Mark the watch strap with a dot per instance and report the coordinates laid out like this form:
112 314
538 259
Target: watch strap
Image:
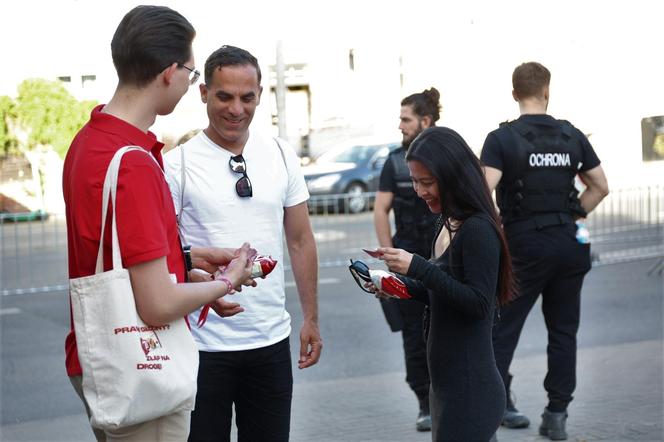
186 250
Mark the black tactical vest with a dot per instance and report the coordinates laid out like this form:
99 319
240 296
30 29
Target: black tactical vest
414 221
541 179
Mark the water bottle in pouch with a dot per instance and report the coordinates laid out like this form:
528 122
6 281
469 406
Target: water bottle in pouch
582 233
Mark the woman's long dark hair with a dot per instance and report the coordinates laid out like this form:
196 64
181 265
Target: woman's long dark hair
463 189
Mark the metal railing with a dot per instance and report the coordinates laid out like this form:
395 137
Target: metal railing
628 225
33 254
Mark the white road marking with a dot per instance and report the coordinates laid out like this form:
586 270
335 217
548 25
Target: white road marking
320 282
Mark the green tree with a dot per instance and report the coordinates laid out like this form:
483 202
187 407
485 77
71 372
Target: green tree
42 119
49 114
8 142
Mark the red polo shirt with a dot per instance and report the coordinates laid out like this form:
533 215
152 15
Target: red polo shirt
145 214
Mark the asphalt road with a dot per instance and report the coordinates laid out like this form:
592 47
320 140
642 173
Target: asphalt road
622 305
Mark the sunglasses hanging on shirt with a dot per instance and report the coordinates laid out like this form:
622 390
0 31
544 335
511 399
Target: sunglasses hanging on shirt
243 185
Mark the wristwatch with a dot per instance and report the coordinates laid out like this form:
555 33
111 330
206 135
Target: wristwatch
186 250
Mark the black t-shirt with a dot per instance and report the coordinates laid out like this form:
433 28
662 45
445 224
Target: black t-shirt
387 183
495 154
414 223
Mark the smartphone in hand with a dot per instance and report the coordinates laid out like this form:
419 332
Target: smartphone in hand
373 252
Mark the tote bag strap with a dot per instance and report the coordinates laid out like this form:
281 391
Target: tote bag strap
110 188
183 185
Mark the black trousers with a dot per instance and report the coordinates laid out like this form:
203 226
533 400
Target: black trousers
552 263
407 316
260 384
415 350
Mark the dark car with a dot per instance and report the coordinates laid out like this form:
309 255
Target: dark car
345 177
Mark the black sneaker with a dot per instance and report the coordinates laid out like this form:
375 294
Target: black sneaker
513 418
553 425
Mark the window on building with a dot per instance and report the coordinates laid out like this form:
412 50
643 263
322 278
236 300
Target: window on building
65 79
87 80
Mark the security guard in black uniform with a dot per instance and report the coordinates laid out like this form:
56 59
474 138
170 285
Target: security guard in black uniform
415 226
532 163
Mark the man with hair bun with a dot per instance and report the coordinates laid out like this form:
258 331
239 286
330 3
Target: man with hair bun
532 163
414 231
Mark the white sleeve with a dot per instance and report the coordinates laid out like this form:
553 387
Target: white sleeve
296 191
172 170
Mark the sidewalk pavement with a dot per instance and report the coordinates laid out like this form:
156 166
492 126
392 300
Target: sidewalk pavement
619 398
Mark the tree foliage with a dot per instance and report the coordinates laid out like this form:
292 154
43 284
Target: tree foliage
49 114
8 142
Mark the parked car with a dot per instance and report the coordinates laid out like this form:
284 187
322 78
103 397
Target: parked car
13 217
344 177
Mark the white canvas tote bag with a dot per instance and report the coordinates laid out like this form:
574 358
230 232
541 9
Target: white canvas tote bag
132 372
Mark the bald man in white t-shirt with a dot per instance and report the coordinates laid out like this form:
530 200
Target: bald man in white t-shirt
241 185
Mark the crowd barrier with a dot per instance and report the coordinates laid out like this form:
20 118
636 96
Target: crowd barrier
627 226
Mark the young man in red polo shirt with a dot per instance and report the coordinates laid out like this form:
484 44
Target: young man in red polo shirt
153 57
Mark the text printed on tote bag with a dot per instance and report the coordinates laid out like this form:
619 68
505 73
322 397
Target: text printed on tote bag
149 342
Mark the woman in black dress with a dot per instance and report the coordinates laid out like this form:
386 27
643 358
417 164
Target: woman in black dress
463 283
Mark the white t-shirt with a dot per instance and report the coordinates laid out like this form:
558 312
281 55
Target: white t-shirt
214 215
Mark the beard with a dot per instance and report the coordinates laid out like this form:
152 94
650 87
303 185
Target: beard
407 140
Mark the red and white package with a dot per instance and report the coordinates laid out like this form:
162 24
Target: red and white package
389 284
263 265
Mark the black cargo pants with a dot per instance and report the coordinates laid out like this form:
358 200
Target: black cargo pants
552 263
